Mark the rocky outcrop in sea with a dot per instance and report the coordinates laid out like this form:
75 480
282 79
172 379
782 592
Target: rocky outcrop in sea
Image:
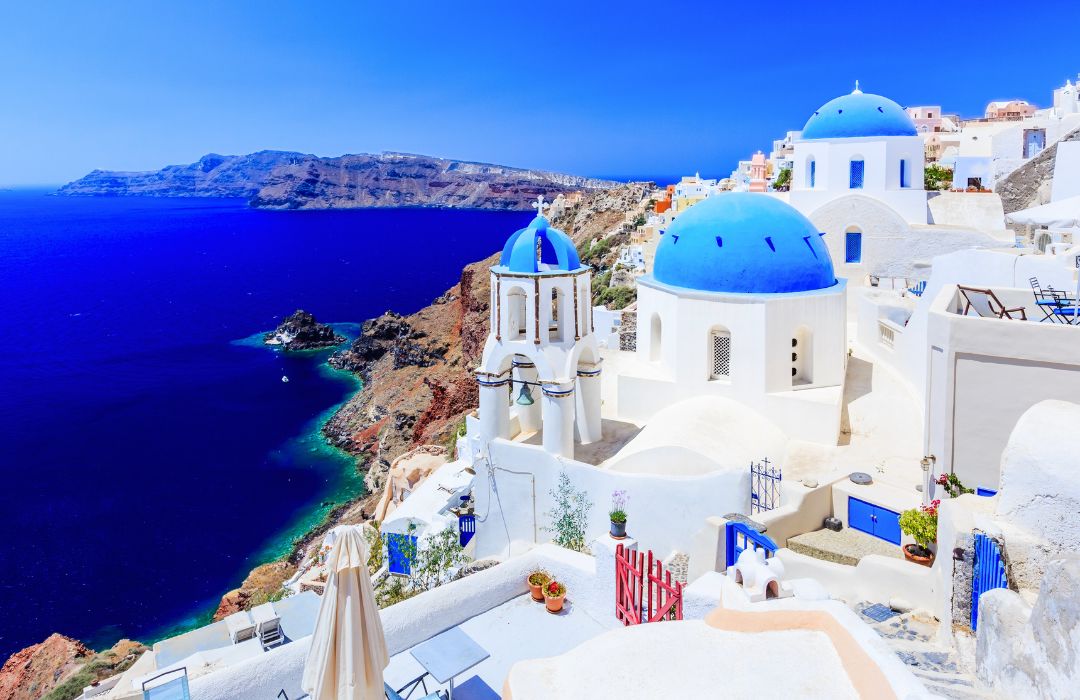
301 331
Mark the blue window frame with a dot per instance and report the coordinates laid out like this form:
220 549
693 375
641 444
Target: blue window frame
813 174
853 247
904 174
855 181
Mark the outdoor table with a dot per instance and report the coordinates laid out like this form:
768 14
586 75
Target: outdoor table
448 655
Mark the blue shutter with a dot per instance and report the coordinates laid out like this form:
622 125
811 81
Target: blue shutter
853 247
855 182
860 515
887 525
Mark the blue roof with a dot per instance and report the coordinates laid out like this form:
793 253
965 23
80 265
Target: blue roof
858 114
557 250
738 242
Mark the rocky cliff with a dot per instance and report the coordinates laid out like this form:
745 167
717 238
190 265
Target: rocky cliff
60 667
301 331
285 180
1029 185
212 175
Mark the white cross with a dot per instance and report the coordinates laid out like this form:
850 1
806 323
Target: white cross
539 205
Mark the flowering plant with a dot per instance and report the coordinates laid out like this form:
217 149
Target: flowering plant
952 485
539 577
554 589
921 523
619 499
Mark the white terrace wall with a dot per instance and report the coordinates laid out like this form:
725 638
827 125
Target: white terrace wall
664 511
412 621
983 374
908 352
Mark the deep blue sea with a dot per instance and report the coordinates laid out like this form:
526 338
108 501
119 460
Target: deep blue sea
149 455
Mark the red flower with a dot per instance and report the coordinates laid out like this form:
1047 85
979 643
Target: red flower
943 480
553 587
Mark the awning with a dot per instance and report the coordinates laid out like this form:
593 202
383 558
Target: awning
1062 214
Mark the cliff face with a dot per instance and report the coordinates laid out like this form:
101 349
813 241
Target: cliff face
417 369
284 180
212 175
301 331
60 667
1029 185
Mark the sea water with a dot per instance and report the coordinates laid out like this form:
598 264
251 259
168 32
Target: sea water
150 453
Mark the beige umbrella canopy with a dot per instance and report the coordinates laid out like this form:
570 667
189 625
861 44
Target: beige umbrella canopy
348 650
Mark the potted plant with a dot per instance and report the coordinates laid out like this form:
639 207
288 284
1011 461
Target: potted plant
952 485
618 514
537 579
554 594
921 524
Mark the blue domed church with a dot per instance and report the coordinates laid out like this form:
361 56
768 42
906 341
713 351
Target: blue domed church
858 174
743 303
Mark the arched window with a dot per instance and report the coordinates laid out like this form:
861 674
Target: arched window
905 176
515 312
719 353
802 359
853 246
855 178
555 327
811 173
655 338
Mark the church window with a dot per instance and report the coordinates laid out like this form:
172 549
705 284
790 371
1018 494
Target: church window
855 181
720 346
904 181
813 173
853 247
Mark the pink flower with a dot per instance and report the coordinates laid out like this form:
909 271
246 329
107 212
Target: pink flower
943 480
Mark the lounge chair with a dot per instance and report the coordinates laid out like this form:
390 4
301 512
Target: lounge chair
985 304
267 625
240 626
408 689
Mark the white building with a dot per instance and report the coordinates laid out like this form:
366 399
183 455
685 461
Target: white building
860 144
743 304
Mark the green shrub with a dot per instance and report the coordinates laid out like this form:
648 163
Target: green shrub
936 177
921 524
570 514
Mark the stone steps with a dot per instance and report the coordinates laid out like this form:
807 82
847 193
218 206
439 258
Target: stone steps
942 670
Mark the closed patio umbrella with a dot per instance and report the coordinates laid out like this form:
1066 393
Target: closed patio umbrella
348 650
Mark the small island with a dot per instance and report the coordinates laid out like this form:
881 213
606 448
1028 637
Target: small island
301 331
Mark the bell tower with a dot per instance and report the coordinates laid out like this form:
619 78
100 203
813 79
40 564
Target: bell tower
541 355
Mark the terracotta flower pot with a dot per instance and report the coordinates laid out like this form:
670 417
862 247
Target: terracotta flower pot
917 558
554 603
536 590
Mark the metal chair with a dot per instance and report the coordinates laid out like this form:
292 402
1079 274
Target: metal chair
410 687
1051 302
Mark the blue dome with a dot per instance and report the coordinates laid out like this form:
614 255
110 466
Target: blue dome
740 242
557 250
858 114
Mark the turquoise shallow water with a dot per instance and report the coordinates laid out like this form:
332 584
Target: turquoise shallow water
152 455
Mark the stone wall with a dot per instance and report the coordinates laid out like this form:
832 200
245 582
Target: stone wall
628 332
1029 185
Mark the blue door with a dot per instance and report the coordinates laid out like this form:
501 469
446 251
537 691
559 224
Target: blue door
874 520
399 549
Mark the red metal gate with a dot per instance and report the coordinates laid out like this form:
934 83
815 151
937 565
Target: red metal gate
644 592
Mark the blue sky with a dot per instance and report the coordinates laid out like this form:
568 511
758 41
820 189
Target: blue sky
619 89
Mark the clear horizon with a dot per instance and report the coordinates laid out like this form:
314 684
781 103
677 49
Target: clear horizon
587 90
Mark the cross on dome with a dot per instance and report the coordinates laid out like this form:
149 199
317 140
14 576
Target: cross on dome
856 91
539 205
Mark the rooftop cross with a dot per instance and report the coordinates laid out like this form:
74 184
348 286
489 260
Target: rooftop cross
539 205
857 91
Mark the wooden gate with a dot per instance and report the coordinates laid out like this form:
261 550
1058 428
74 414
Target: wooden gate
644 591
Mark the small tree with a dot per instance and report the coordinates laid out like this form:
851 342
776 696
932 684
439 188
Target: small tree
373 537
570 514
783 180
936 177
434 563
